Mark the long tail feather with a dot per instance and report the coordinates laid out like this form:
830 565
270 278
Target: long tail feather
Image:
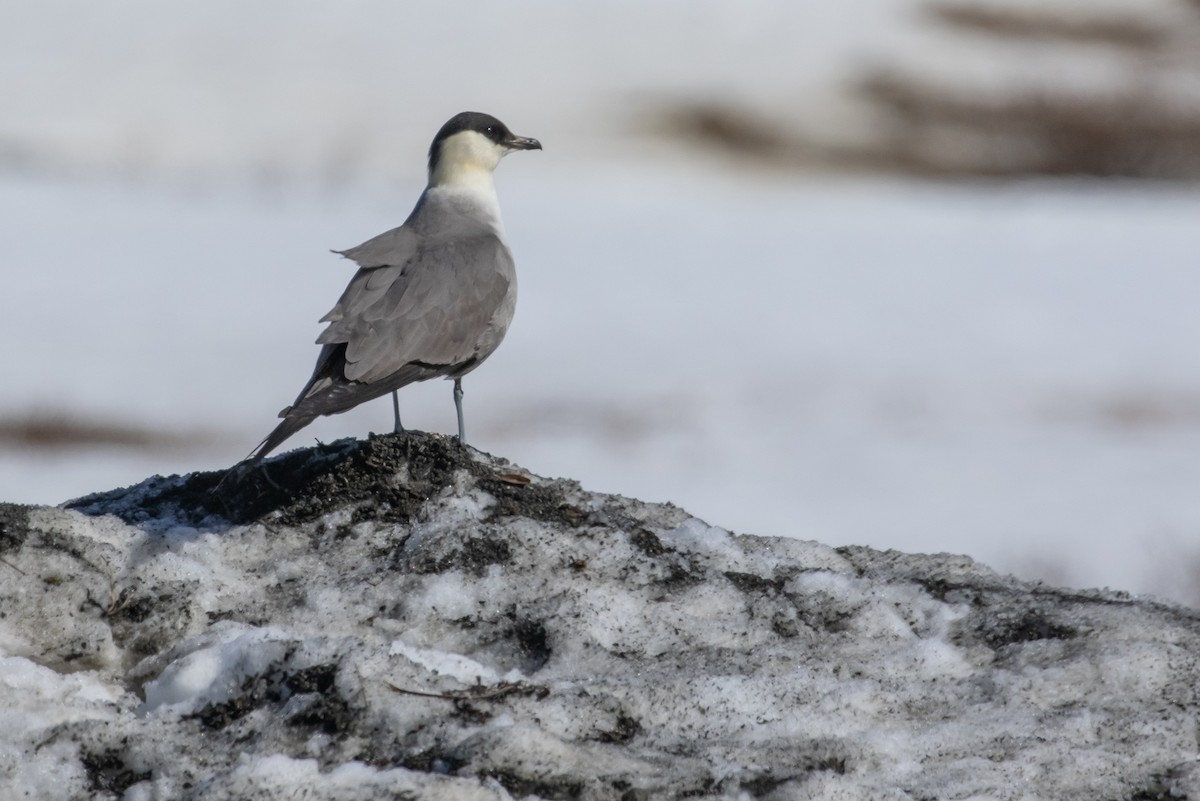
290 425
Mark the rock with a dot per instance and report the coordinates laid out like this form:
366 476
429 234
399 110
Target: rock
403 618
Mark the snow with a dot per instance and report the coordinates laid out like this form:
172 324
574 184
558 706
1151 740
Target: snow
1002 370
440 663
1006 372
213 672
554 643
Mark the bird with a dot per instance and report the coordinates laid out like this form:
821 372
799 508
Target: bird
431 298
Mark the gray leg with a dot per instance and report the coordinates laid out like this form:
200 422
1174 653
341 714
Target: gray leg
399 429
462 432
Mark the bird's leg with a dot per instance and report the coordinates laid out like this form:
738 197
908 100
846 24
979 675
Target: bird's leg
398 429
462 432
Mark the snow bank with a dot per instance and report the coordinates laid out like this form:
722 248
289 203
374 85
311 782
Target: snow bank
402 618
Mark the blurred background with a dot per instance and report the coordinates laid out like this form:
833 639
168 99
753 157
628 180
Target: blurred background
917 275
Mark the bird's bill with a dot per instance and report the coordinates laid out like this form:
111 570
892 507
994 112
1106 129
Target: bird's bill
522 143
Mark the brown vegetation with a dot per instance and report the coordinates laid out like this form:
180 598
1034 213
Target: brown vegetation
1044 128
1051 25
1141 125
933 130
56 430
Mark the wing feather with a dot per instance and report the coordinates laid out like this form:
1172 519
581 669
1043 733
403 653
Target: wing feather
434 308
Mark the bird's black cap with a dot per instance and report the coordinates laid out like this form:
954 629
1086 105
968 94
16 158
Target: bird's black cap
484 124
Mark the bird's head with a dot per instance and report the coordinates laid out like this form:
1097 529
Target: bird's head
471 144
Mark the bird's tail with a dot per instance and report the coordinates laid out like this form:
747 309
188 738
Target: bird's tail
291 424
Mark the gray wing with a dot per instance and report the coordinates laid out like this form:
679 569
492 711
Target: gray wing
435 308
416 309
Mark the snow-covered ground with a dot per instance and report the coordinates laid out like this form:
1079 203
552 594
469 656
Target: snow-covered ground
1005 371
1009 373
400 619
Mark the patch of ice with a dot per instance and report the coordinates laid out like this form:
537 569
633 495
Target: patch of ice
39 701
465 670
215 672
452 511
938 659
279 776
699 537
40 686
452 594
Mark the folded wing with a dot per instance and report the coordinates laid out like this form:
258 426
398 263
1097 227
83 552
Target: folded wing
425 314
